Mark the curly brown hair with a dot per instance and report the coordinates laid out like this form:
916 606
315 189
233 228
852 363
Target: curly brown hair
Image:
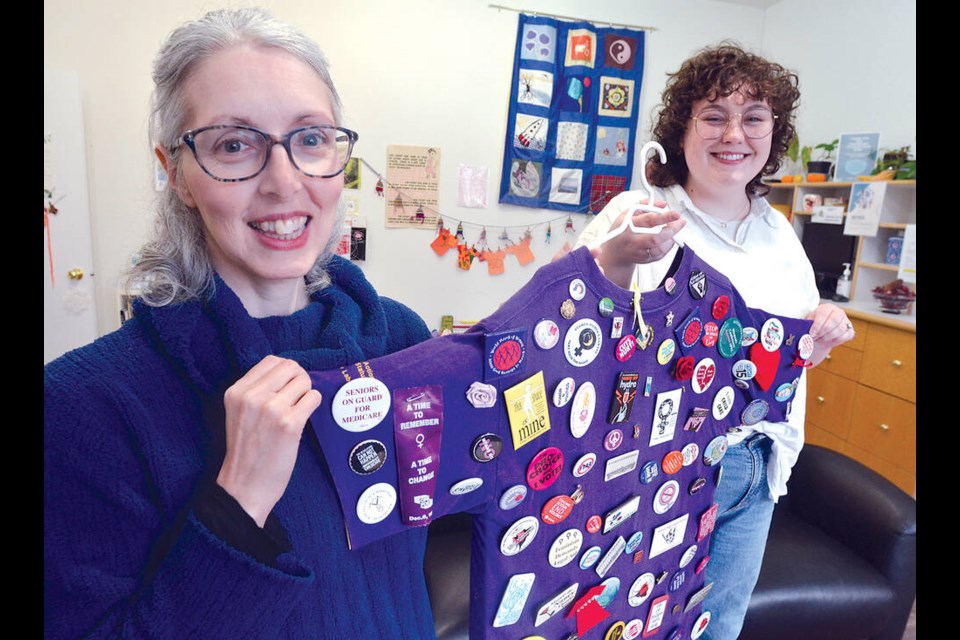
715 72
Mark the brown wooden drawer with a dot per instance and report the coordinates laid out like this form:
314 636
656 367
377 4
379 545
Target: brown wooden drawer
890 361
830 401
812 434
860 328
885 426
906 480
842 361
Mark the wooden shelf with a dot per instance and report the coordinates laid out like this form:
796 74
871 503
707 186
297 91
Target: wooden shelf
790 185
868 266
880 265
882 225
808 213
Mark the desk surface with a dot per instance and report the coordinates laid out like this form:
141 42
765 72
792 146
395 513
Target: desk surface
871 312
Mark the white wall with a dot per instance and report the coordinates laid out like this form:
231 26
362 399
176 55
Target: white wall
857 62
437 73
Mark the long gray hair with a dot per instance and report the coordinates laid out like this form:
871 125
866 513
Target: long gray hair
173 265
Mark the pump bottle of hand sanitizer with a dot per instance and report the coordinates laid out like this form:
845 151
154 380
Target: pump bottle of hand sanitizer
843 284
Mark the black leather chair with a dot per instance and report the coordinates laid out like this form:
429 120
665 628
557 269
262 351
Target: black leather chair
840 562
447 567
841 558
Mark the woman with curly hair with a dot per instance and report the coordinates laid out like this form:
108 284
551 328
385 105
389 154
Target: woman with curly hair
725 122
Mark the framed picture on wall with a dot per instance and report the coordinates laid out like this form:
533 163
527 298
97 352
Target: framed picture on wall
856 155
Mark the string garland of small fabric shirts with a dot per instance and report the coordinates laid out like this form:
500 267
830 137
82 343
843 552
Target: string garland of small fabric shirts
472 243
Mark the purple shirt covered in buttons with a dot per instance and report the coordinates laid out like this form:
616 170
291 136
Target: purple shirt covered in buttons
588 459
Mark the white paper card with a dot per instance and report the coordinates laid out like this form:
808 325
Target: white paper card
908 256
824 214
866 200
669 535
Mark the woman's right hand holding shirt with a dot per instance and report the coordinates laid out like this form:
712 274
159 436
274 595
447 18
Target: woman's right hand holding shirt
266 411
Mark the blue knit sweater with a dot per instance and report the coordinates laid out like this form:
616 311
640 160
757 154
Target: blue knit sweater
133 429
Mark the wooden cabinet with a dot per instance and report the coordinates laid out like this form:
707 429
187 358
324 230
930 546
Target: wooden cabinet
862 400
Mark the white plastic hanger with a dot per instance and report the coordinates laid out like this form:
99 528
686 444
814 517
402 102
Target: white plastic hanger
627 222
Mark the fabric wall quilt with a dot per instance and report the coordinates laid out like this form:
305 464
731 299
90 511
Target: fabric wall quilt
589 462
571 126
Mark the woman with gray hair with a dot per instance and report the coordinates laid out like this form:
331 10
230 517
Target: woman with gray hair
183 495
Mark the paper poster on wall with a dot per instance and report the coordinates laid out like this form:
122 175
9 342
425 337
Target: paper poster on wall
856 155
351 203
908 255
866 200
358 239
472 183
351 174
353 238
343 242
572 125
412 197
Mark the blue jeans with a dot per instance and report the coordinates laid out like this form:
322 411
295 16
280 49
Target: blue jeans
739 537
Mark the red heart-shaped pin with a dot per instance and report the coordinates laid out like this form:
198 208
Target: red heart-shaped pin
767 363
705 373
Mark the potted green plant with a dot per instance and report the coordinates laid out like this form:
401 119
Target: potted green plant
824 163
793 155
899 162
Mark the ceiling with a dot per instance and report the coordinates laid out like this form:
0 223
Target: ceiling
760 4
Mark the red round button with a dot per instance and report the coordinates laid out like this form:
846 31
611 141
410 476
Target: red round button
710 334
691 332
720 307
672 462
556 509
593 524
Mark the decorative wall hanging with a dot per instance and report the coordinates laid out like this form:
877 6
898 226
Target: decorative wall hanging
572 122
